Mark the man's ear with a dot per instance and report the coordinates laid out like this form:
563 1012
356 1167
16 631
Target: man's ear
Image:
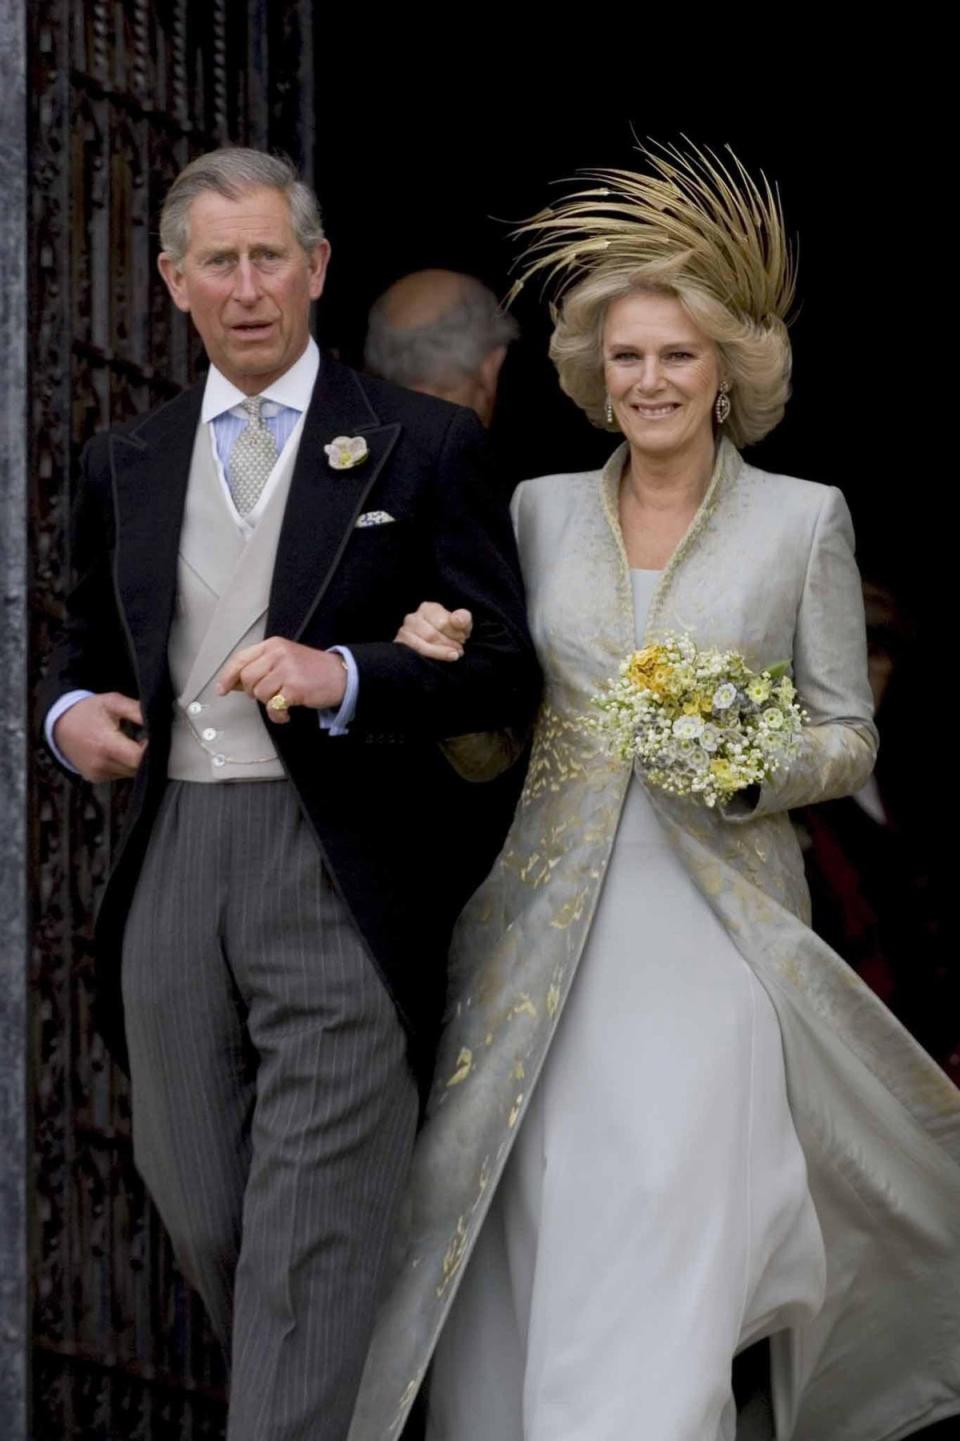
173 279
487 377
317 261
490 368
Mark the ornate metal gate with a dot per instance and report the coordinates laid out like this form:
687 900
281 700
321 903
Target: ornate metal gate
123 93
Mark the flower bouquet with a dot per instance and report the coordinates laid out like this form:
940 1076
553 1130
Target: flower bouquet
699 723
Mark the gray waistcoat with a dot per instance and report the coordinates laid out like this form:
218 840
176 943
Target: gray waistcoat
223 587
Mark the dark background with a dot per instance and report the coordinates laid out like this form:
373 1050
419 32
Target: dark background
413 185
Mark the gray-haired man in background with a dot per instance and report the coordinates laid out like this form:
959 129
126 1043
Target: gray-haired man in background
442 334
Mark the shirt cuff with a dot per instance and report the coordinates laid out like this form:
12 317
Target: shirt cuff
59 708
338 722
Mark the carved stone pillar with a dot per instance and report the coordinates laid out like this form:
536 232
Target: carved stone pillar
13 720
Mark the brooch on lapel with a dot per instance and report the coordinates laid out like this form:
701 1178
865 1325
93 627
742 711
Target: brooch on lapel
346 451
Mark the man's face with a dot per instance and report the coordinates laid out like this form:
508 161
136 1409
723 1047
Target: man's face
248 284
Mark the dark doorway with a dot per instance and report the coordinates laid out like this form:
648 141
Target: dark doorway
424 184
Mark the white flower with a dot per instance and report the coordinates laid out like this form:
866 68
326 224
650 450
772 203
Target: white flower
710 738
759 690
724 696
346 451
772 719
688 727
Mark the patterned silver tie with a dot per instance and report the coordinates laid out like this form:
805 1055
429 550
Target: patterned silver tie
254 456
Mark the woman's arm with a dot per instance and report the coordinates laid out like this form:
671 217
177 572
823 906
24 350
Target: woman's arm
839 745
471 561
432 630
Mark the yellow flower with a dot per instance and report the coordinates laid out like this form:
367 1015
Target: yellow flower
663 681
643 664
724 773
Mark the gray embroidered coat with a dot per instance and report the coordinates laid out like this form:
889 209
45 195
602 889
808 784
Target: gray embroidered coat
766 568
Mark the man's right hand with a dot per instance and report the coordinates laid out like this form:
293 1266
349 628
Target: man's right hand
88 735
433 631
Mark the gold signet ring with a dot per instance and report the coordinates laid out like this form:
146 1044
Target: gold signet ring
278 702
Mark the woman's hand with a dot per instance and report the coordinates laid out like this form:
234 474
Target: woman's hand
435 632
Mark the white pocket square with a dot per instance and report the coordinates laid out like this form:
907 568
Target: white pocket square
374 517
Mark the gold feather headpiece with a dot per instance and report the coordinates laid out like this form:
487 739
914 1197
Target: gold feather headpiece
694 211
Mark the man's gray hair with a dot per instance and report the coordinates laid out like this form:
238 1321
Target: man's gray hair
453 346
233 172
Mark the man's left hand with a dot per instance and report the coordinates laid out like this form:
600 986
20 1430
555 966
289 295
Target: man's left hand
277 667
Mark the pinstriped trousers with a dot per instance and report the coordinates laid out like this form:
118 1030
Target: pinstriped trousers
273 1107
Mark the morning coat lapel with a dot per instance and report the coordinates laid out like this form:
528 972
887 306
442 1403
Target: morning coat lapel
323 504
151 468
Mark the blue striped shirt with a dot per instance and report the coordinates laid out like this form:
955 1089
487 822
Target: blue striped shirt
280 420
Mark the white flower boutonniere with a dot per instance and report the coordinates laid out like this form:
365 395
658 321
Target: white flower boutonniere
346 451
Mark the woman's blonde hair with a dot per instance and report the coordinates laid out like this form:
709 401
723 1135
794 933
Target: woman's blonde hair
755 359
695 227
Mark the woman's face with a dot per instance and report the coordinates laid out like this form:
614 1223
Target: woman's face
662 374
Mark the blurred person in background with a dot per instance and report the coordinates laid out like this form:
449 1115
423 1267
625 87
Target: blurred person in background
442 334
